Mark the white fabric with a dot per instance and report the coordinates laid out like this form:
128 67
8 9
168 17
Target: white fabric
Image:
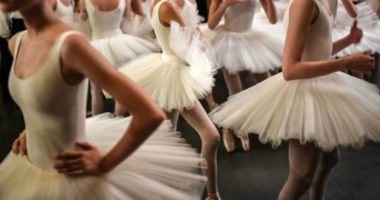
239 46
332 110
162 168
108 38
369 22
189 13
64 11
180 75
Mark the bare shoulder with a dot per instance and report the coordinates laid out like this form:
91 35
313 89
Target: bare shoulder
12 43
74 43
168 12
305 4
166 6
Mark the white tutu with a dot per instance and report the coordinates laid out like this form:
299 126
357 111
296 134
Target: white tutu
366 16
121 48
4 27
368 21
280 5
175 81
164 167
370 41
331 111
190 14
262 24
254 50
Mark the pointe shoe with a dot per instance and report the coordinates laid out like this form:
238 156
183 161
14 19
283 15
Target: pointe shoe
228 141
213 196
245 143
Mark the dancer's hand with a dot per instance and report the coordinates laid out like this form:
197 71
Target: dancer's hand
19 145
356 33
362 62
232 2
79 162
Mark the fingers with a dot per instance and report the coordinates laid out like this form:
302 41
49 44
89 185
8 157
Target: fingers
70 166
15 146
355 24
73 170
367 52
62 164
19 145
84 145
76 173
22 145
69 154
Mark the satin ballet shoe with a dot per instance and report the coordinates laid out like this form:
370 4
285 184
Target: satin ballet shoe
228 141
213 196
245 143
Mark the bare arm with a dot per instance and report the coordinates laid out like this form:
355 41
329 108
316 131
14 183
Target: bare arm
79 58
53 3
353 37
350 8
217 9
137 7
301 16
270 10
168 13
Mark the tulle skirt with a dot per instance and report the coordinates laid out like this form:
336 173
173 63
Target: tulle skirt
177 79
121 48
171 82
369 22
164 167
331 111
254 50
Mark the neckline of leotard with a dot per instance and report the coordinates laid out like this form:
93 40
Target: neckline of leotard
105 12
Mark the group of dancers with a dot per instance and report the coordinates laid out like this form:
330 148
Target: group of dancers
312 67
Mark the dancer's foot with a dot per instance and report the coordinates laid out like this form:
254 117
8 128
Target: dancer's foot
213 196
228 140
245 143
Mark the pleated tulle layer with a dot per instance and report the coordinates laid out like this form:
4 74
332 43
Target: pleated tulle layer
170 81
369 22
177 80
331 111
253 50
366 16
122 48
164 167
